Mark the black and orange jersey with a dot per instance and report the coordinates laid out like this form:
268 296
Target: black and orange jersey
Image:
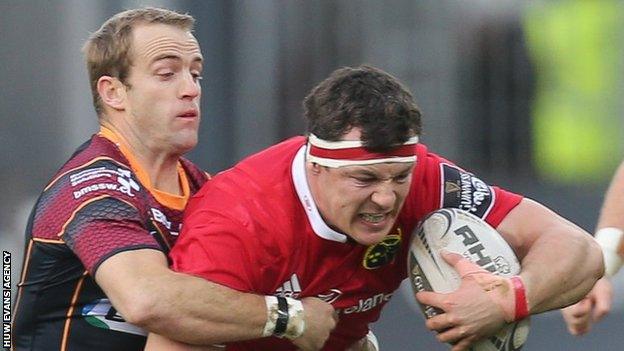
100 203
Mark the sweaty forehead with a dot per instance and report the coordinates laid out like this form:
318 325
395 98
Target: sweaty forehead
154 41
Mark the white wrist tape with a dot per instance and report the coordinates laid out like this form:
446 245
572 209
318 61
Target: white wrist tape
271 304
296 322
609 241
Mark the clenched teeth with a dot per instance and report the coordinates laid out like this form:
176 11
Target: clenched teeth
373 218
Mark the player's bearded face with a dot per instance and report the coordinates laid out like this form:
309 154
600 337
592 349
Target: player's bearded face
164 90
363 201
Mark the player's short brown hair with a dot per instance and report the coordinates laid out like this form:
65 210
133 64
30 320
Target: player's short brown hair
367 98
108 50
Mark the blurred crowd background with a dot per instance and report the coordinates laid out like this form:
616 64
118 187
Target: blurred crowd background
528 95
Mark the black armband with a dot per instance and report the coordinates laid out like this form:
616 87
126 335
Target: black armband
282 317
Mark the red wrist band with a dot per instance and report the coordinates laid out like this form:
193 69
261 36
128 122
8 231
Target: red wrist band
522 305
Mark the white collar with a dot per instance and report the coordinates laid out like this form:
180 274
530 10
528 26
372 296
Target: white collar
307 201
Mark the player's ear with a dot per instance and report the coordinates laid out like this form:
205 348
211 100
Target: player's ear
112 92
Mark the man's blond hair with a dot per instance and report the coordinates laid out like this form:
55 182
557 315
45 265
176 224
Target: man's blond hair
108 50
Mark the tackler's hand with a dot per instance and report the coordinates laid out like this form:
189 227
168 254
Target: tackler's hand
478 308
320 319
581 316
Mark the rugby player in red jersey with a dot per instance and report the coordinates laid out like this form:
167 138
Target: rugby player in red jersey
330 215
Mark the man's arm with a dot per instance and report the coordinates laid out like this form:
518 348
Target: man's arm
193 310
613 206
157 342
611 224
190 309
597 304
551 251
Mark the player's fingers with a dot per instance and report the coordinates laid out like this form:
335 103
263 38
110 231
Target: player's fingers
577 317
462 265
451 258
452 335
430 298
580 309
439 323
579 329
602 308
602 297
579 325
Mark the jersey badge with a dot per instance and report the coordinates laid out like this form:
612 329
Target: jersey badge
383 252
461 189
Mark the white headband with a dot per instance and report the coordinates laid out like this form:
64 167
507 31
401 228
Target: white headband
353 153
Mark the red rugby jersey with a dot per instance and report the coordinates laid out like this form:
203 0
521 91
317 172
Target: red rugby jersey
255 228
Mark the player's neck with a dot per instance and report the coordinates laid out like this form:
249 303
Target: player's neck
158 164
163 172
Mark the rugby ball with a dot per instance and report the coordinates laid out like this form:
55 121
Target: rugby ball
459 231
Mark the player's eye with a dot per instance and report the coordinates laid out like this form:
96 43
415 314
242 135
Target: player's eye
165 75
402 178
364 180
197 77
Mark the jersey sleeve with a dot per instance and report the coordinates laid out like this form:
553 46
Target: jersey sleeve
105 227
97 210
450 186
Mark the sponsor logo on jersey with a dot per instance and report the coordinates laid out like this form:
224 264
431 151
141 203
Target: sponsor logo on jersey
161 218
368 303
95 187
103 315
330 296
383 252
125 184
292 288
92 173
289 288
461 189
450 187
